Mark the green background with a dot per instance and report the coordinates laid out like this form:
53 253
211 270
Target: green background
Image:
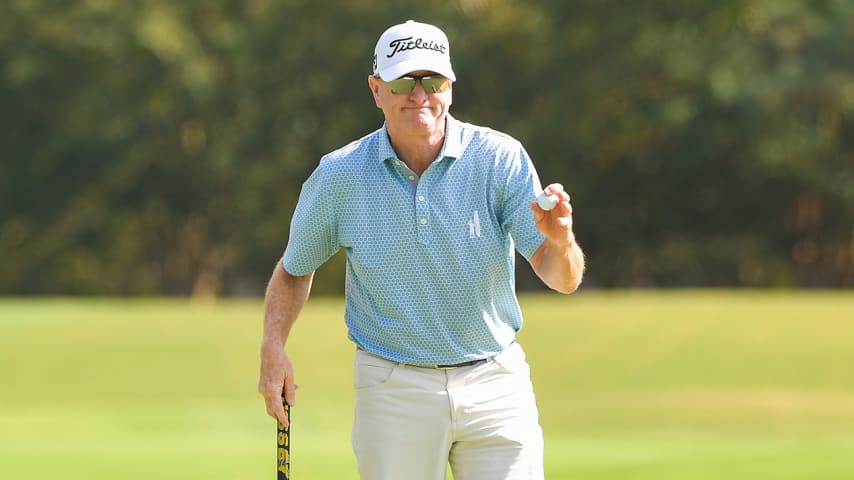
655 385
151 154
158 147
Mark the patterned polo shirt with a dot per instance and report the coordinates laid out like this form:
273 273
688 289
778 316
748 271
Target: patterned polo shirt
430 259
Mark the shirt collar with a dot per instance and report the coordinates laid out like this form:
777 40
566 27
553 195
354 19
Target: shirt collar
451 148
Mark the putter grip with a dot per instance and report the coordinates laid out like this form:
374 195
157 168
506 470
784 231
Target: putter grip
283 441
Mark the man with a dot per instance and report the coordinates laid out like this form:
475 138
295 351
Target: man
429 210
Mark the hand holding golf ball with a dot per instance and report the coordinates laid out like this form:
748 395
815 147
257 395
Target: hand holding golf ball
553 214
546 201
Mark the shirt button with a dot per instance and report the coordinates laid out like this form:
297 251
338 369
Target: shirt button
420 198
412 177
423 221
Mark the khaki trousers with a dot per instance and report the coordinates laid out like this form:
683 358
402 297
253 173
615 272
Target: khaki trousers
411 422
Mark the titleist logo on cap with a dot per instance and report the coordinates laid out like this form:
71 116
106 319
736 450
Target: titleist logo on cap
404 44
412 46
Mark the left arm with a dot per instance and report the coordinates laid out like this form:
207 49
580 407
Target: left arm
559 261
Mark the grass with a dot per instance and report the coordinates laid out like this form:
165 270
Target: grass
631 385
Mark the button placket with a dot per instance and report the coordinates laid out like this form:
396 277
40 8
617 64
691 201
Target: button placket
422 213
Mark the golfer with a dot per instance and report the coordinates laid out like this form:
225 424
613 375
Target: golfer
429 211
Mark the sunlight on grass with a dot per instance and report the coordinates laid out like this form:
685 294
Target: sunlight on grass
631 385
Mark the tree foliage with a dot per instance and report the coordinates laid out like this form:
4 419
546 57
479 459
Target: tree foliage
159 147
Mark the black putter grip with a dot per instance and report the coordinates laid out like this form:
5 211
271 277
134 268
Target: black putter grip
283 441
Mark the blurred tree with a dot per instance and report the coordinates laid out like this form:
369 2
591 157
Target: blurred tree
158 147
686 132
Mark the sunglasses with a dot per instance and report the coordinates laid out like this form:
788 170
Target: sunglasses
431 84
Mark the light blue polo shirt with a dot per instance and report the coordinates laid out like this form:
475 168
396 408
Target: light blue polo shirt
430 260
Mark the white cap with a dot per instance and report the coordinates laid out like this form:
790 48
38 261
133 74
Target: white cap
412 46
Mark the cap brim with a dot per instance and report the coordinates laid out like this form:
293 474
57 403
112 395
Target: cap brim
400 69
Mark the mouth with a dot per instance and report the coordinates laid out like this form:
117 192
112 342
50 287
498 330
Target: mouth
418 109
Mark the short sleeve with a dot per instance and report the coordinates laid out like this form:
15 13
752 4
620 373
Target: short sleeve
313 234
521 188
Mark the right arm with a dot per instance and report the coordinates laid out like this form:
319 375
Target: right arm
286 295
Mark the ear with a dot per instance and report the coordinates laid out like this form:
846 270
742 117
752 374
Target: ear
374 84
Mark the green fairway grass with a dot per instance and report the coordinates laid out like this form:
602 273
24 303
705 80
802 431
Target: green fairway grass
664 385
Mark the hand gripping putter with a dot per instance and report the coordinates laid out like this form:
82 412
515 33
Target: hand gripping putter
283 445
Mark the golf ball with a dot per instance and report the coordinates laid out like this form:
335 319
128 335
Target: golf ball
547 202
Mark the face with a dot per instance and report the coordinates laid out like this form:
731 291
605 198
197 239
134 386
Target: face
412 112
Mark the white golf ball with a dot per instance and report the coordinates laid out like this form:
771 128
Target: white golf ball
547 202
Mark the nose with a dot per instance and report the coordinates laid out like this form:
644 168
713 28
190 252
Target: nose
418 92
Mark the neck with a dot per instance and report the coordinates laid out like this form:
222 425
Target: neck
417 149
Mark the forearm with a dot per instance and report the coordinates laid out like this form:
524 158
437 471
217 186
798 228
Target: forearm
560 266
285 297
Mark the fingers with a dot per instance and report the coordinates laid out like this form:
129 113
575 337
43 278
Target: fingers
273 400
271 391
562 209
557 189
276 383
562 213
553 188
275 408
555 224
289 391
